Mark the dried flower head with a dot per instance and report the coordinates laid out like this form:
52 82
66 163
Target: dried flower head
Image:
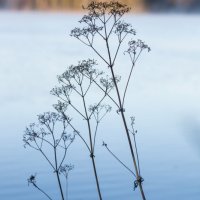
35 134
123 27
92 29
61 107
32 180
100 8
65 169
108 83
137 45
49 117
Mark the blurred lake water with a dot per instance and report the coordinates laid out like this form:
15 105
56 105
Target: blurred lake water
163 96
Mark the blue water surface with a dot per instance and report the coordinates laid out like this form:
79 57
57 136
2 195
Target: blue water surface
163 96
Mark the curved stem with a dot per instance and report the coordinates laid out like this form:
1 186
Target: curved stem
133 64
127 84
42 191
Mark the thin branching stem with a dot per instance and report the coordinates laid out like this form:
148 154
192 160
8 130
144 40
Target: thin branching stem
106 93
129 77
77 132
97 105
46 132
127 83
65 152
70 103
86 91
122 163
123 119
83 42
44 140
95 135
77 110
99 55
45 156
136 151
91 144
116 53
56 166
42 191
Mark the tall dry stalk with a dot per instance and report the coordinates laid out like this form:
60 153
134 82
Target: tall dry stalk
75 86
103 22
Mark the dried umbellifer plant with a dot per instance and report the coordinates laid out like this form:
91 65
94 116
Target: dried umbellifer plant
103 21
52 137
76 85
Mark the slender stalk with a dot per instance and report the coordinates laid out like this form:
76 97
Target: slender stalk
110 65
42 191
67 187
99 11
57 169
95 134
60 186
91 145
136 151
133 157
119 160
96 177
77 132
124 120
134 60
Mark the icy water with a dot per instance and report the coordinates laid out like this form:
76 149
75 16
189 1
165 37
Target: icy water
164 97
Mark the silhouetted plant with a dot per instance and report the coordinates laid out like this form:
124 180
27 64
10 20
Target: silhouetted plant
76 84
32 180
50 133
104 21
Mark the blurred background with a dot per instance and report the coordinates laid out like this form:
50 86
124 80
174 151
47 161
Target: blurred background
140 5
164 94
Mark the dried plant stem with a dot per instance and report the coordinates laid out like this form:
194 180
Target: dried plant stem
36 134
96 178
57 168
104 19
122 163
111 64
42 191
60 186
133 156
126 129
91 144
121 109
